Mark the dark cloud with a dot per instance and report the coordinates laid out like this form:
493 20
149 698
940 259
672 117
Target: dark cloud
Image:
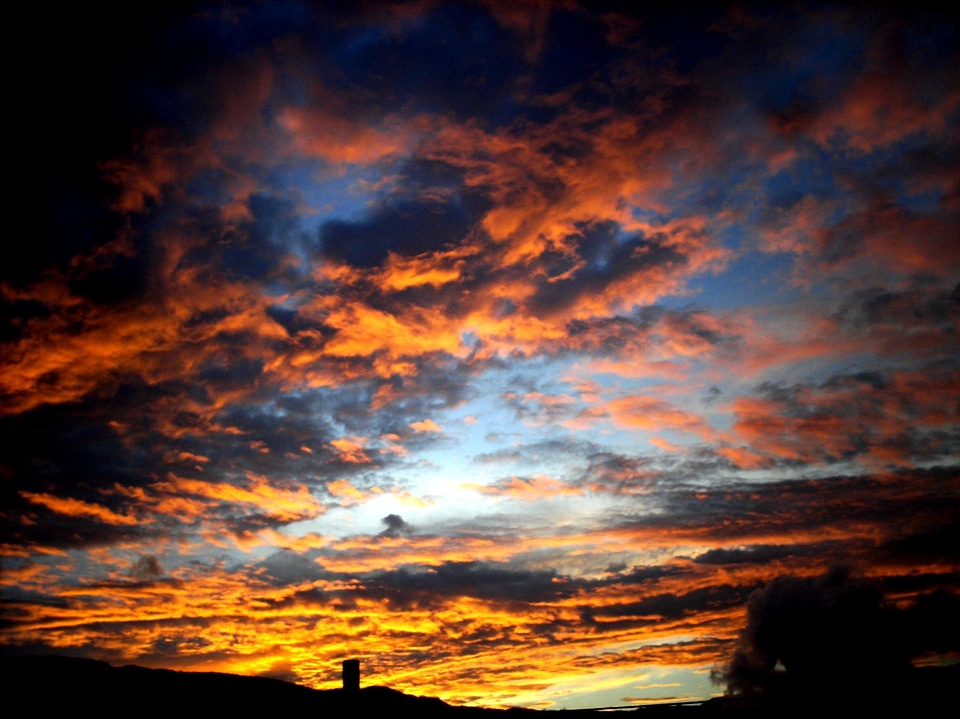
758 554
536 408
540 455
609 335
649 327
146 568
557 70
440 383
606 257
810 520
940 538
455 60
618 474
222 374
254 249
406 228
482 580
119 279
928 623
63 451
62 445
639 575
925 305
287 567
665 607
396 526
57 159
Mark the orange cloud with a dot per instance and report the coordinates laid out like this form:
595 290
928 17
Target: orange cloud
426 425
744 458
604 184
654 414
435 269
350 449
529 490
81 345
881 230
810 438
78 508
880 109
847 419
285 505
326 131
363 331
347 493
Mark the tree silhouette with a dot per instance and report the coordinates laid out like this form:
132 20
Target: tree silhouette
825 635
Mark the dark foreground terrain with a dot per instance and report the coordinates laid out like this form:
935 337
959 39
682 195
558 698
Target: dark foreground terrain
43 686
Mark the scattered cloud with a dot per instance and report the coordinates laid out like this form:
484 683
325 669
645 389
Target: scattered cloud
512 331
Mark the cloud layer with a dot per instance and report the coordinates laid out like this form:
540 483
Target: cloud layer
509 350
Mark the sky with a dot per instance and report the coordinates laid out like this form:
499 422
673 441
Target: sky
510 348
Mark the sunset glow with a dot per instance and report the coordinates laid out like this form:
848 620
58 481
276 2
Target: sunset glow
506 347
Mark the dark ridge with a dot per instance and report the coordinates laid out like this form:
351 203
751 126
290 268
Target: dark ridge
48 684
43 685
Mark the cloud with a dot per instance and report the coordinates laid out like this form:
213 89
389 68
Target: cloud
434 269
652 413
277 503
327 131
426 425
346 492
873 417
146 567
405 230
350 450
628 315
755 553
291 568
78 508
396 526
876 235
528 489
472 579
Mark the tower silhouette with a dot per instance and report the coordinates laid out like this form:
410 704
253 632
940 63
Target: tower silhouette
351 675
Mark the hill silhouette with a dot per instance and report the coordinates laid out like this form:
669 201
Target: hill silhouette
49 684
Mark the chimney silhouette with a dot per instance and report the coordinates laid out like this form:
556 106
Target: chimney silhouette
351 675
